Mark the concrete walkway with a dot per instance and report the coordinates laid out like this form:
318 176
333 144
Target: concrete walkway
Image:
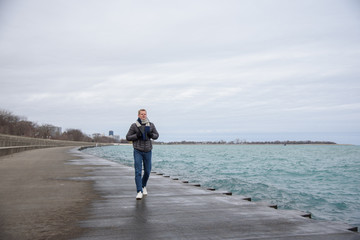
177 210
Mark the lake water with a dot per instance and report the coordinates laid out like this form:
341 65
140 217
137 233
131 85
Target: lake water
323 180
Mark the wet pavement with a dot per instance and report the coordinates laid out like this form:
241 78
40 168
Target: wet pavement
177 210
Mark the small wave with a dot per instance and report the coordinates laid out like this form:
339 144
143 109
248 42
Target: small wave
323 180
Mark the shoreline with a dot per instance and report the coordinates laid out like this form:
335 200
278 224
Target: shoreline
56 193
192 154
173 205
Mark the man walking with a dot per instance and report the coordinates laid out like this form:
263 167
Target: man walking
140 133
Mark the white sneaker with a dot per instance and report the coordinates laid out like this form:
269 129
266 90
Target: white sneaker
139 196
144 191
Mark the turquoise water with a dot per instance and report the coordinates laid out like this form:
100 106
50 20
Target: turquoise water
323 180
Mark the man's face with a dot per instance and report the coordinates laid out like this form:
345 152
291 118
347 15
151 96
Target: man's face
142 115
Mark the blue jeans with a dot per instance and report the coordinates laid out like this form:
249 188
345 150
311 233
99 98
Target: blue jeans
140 159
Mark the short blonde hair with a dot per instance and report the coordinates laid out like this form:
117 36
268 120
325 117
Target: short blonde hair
141 110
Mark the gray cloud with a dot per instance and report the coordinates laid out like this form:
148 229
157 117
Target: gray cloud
205 70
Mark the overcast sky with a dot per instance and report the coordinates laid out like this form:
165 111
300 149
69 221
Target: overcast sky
256 70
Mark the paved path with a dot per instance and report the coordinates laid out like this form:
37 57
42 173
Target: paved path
177 210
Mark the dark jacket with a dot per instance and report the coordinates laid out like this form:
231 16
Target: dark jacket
140 144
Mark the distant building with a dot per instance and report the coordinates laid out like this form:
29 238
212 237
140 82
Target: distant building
54 131
117 138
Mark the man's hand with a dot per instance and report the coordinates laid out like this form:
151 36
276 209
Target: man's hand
139 135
